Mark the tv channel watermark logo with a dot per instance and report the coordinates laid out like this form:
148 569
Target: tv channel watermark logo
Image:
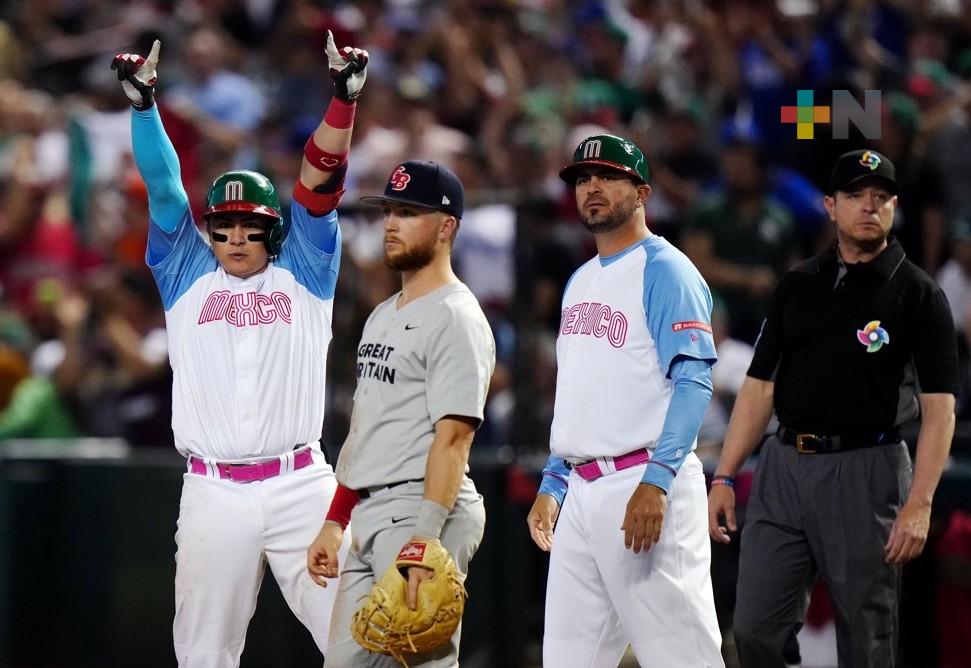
845 109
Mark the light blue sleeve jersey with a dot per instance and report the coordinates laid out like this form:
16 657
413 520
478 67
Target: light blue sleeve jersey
234 341
678 305
634 353
177 253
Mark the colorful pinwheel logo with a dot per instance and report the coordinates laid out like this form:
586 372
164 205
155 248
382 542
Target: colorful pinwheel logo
870 159
873 336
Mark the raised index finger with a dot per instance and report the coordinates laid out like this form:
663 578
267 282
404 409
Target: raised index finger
153 54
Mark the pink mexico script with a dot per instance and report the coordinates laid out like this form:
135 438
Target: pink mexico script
595 319
246 308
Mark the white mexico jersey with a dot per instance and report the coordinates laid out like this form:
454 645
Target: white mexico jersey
248 355
624 319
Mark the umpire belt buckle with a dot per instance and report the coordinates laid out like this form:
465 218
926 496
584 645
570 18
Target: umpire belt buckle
807 444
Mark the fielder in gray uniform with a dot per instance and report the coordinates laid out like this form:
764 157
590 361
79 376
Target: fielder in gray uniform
424 364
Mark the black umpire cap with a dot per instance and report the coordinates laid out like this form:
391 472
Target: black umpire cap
423 183
858 165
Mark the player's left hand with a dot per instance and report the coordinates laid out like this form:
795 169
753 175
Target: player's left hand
416 575
348 69
644 516
909 533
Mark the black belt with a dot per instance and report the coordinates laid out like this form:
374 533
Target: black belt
366 492
810 444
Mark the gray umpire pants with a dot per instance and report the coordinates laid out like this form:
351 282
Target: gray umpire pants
829 516
380 525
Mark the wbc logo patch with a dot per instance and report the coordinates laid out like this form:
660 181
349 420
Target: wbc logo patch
399 179
870 160
873 336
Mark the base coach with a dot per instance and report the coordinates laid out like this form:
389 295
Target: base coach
857 341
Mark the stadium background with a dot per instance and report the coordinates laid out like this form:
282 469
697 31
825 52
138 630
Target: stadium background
501 91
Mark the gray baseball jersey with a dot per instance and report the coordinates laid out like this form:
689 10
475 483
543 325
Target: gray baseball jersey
431 358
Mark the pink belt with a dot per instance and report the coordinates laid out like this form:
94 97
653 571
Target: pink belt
251 472
592 470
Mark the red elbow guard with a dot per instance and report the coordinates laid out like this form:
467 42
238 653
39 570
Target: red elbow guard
321 159
341 506
316 203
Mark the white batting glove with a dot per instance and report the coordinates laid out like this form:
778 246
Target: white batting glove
348 69
138 75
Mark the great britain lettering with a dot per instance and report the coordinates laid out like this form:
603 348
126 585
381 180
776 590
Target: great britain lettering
369 362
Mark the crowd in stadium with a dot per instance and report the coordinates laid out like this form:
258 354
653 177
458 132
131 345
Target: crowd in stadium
501 91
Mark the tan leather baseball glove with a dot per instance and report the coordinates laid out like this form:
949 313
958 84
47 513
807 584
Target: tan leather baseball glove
384 624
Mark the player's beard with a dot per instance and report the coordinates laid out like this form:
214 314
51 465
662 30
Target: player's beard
611 219
412 259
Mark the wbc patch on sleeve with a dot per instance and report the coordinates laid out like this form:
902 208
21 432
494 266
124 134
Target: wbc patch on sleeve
691 324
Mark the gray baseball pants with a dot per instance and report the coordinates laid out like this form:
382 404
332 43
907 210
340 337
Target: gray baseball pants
829 516
380 525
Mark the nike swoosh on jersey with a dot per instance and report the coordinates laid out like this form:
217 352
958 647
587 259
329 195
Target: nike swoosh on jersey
395 520
410 327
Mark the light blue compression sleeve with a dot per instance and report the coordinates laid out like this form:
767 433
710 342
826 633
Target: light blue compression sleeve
555 477
692 390
159 166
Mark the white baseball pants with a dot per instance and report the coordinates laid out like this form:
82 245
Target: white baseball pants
227 534
601 596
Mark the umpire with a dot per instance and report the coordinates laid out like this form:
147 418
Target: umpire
858 340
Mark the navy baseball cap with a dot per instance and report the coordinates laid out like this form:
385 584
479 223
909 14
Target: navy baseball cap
423 183
858 165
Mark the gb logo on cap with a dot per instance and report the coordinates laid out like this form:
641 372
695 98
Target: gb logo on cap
399 178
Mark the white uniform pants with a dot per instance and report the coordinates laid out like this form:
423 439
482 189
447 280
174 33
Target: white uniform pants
227 533
601 596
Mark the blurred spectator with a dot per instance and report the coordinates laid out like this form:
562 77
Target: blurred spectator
30 406
111 357
741 239
11 63
734 357
224 106
484 254
520 79
684 167
484 257
955 280
920 219
38 239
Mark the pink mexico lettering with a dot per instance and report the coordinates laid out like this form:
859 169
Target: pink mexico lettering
597 320
246 308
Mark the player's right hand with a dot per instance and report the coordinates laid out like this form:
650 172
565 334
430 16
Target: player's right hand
322 560
721 501
541 518
138 76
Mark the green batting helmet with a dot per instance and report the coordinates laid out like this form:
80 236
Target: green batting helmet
608 151
242 191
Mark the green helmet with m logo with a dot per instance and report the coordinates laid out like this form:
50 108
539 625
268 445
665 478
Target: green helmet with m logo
243 191
608 151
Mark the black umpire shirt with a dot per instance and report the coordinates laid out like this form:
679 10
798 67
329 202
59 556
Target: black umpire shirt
850 346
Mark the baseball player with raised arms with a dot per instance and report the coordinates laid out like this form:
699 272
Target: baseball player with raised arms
425 360
630 555
249 323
